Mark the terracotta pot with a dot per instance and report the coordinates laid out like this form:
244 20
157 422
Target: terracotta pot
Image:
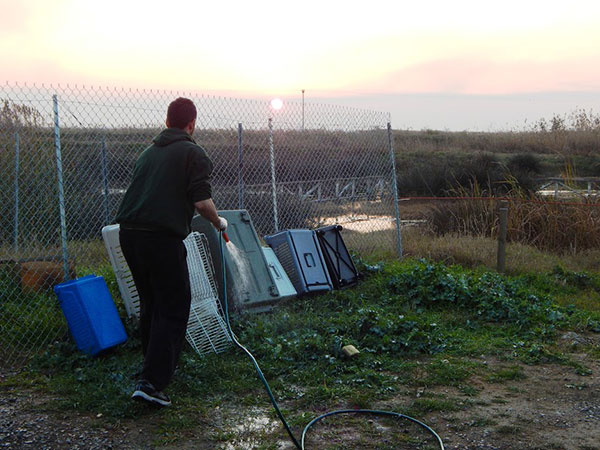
43 275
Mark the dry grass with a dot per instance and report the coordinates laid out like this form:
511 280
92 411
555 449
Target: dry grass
561 227
557 227
482 251
570 140
468 251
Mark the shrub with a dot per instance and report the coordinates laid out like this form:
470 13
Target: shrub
524 162
490 296
542 225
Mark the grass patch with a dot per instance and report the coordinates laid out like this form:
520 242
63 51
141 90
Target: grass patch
448 372
509 429
506 374
480 422
426 404
415 323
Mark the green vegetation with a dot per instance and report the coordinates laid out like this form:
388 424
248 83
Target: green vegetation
425 327
418 325
435 163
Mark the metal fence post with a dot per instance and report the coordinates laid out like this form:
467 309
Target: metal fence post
16 230
105 182
502 228
61 196
273 182
395 189
240 167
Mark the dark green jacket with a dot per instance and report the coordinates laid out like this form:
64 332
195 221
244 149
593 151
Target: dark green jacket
169 177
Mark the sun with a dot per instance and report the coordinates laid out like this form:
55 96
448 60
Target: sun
276 104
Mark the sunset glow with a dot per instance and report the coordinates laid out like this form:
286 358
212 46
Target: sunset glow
270 48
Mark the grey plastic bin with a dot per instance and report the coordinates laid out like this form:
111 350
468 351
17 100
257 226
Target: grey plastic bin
284 285
300 255
250 285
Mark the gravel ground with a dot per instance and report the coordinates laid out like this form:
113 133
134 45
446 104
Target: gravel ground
550 408
26 422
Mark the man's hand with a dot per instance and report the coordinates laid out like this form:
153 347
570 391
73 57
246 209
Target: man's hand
207 209
221 225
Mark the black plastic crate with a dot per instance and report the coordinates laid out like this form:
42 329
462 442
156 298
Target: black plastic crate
339 263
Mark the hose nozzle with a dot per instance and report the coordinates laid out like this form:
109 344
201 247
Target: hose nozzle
225 237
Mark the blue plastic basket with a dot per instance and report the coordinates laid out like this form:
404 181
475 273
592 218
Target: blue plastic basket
91 314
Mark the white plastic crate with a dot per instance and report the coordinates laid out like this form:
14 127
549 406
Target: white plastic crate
206 329
129 293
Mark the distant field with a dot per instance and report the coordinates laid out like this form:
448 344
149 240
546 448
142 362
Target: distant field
437 162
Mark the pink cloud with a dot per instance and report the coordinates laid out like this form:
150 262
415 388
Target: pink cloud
14 18
469 76
54 73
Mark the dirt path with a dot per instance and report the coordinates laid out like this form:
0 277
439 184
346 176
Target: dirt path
550 407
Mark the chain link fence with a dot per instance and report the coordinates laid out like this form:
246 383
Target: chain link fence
67 156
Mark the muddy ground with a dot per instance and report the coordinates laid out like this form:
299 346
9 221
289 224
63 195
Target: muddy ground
550 407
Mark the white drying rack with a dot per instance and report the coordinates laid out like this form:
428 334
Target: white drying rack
206 329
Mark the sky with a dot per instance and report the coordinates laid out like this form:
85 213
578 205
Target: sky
459 65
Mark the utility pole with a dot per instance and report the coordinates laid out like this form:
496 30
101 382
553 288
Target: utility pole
302 109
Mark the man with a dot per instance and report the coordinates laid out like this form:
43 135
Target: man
171 179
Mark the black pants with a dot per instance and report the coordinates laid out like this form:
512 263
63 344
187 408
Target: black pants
158 265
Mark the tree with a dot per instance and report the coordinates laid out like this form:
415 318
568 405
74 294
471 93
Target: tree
13 115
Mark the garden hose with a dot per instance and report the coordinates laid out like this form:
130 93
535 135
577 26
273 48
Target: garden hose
300 445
